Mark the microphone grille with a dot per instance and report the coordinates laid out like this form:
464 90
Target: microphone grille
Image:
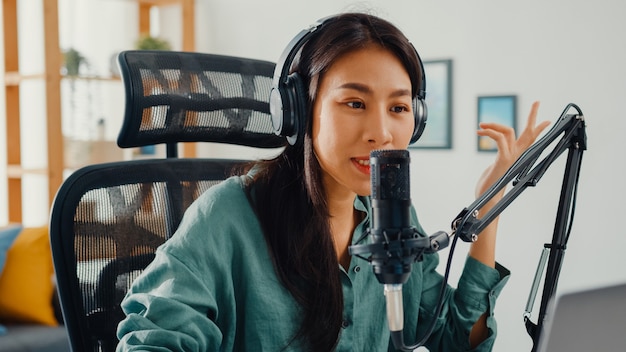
389 174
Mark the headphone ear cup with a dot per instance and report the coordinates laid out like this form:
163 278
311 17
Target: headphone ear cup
300 108
284 107
294 109
279 107
420 113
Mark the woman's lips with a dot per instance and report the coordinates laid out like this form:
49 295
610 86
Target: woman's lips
362 164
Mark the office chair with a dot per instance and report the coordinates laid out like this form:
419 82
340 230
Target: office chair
108 219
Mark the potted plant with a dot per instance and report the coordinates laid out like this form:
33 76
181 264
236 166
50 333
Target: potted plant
147 42
72 62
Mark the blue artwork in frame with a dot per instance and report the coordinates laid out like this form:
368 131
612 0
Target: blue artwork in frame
438 131
499 109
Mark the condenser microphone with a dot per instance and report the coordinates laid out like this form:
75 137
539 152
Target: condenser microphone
395 244
391 204
391 225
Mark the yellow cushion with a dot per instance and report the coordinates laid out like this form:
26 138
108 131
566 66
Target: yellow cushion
26 285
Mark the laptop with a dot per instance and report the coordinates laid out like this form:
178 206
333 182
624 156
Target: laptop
590 320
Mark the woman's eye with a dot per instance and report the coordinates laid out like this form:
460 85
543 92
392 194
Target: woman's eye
356 105
399 109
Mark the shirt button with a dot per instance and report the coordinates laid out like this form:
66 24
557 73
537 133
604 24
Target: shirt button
357 269
345 324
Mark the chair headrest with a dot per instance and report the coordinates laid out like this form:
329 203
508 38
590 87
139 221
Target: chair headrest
176 97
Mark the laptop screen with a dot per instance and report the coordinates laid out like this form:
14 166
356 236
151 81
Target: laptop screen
591 320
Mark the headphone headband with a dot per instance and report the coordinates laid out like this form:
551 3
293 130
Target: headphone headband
289 99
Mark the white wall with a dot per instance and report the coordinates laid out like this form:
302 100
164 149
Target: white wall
557 52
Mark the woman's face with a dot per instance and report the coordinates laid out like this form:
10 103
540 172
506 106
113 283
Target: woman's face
363 103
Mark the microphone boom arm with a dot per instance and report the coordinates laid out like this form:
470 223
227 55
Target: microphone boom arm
527 173
467 226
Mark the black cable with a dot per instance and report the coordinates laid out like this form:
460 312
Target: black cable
398 337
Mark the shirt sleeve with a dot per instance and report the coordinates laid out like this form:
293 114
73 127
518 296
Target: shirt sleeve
170 304
475 295
177 303
477 290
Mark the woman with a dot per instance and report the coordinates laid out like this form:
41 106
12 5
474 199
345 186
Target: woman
260 262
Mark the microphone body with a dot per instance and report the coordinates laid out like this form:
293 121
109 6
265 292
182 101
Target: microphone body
391 220
391 225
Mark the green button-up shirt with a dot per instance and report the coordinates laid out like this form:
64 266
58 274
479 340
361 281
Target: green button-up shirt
212 287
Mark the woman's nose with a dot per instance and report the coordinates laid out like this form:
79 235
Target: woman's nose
376 130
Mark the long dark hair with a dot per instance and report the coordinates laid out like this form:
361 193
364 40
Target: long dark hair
288 194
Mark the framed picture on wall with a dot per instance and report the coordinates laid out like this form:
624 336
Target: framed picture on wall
438 131
500 109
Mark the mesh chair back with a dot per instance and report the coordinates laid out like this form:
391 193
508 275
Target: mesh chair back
107 220
194 97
